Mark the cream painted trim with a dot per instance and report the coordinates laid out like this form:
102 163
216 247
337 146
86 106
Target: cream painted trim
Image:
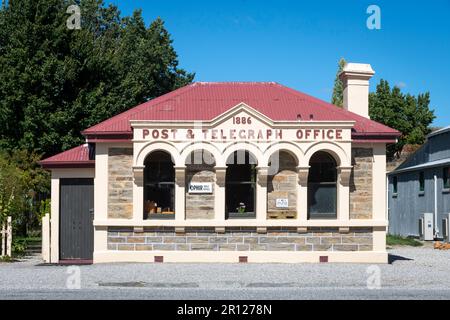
54 220
100 238
379 238
379 182
241 223
46 249
380 257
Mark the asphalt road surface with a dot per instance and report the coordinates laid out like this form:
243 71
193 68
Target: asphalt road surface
414 273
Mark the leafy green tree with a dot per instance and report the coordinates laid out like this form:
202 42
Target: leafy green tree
338 91
56 82
11 191
22 183
404 112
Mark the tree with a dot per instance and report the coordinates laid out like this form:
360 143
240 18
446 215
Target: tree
338 91
404 112
56 82
23 183
11 190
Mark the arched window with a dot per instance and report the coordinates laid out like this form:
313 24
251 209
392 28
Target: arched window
159 186
240 188
322 187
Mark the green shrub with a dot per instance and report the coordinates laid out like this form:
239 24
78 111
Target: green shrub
396 240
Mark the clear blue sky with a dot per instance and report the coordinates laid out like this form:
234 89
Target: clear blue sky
298 43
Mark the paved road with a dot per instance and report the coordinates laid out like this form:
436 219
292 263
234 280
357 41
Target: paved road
415 273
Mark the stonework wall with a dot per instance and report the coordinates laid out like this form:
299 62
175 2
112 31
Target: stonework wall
283 184
361 184
200 206
240 239
120 183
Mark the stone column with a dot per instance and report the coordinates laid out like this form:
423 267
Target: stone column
302 193
261 194
219 199
343 193
180 189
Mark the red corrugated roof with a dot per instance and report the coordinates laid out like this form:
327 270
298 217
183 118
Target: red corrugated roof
76 157
204 101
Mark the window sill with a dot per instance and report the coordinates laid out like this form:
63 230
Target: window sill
160 216
237 215
242 223
394 195
322 218
446 190
421 193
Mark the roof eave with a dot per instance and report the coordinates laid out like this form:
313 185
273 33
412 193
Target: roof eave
67 164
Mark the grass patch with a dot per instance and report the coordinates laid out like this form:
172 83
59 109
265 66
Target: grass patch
7 259
394 240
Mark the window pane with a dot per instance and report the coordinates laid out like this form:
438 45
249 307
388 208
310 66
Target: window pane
240 193
446 177
241 173
322 186
161 194
159 184
240 183
322 200
422 181
395 184
323 168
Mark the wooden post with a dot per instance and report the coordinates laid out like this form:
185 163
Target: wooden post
46 238
8 236
3 239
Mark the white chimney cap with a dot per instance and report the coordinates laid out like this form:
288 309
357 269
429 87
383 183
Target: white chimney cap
361 68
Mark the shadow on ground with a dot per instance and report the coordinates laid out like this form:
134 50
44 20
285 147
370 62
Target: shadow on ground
393 258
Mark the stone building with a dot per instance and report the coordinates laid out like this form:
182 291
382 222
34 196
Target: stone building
227 172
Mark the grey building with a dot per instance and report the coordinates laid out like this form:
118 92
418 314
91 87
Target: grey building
419 191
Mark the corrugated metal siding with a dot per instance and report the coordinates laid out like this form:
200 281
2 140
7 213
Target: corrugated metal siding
406 209
440 146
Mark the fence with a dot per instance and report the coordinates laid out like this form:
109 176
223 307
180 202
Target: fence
6 236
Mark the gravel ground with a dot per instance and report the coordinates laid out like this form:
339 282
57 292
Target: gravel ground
415 273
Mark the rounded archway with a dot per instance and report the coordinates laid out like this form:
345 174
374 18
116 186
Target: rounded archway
159 186
322 186
240 185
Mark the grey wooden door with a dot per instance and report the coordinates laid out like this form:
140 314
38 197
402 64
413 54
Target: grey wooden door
76 219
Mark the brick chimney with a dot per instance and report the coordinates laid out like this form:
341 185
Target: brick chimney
355 77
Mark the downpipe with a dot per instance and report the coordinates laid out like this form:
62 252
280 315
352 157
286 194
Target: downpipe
436 228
